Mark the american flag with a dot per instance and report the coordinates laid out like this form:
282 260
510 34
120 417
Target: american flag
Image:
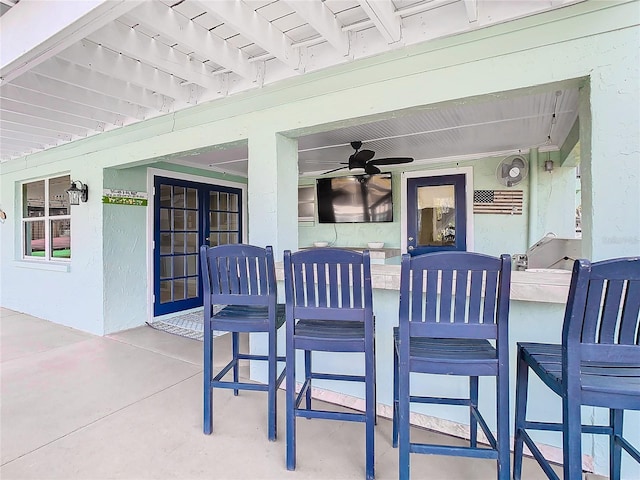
502 202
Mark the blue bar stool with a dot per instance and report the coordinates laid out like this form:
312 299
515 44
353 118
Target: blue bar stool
451 305
329 308
597 364
242 278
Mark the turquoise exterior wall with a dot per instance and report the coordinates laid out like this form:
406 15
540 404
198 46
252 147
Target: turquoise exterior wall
594 45
125 243
494 234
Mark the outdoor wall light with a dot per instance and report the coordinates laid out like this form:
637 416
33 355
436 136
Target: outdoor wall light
76 195
548 166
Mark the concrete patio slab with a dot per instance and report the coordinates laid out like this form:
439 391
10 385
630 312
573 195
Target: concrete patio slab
129 406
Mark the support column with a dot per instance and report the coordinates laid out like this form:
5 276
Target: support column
273 215
610 160
273 191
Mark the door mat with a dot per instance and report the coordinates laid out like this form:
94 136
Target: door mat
189 325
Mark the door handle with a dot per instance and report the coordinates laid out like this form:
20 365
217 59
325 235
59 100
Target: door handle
410 247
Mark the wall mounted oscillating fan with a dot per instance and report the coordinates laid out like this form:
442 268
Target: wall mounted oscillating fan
512 170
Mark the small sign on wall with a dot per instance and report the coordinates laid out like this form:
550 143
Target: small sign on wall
124 197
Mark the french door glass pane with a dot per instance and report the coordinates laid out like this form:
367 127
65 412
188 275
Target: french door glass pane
436 215
192 242
165 195
192 287
233 221
178 266
165 243
233 202
192 220
165 291
178 197
192 265
192 198
165 215
178 219
178 289
165 267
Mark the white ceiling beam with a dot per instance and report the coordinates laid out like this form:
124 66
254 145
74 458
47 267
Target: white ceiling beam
120 38
18 135
323 21
31 130
256 28
71 93
80 125
103 60
161 18
382 14
472 10
64 71
52 27
43 123
22 144
29 97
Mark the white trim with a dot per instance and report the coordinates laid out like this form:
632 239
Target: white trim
467 172
35 265
157 172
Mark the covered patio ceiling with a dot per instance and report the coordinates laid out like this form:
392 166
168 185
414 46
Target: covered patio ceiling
83 68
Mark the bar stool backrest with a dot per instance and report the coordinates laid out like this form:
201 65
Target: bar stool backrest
329 283
454 295
238 274
602 321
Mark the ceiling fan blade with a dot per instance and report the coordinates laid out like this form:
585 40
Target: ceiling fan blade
334 170
363 156
371 169
390 161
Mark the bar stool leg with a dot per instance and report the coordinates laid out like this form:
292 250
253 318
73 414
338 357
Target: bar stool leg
522 384
208 375
615 450
571 439
473 422
235 346
307 376
395 398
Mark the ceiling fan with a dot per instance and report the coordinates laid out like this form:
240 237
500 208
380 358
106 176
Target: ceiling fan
364 159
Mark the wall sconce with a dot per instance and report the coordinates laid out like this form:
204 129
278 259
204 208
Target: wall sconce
76 195
548 166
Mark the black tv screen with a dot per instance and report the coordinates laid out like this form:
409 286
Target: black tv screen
355 199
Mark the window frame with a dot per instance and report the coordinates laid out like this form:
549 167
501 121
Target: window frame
47 218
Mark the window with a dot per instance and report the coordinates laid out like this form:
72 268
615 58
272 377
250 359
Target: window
46 219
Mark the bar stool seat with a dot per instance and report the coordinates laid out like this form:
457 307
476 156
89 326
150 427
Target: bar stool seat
597 364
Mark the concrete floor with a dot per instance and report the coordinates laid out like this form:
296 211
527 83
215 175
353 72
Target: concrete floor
128 406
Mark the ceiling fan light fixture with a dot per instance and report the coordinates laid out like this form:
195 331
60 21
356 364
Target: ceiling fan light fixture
363 159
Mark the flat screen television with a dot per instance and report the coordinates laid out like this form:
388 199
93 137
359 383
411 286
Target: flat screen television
355 199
